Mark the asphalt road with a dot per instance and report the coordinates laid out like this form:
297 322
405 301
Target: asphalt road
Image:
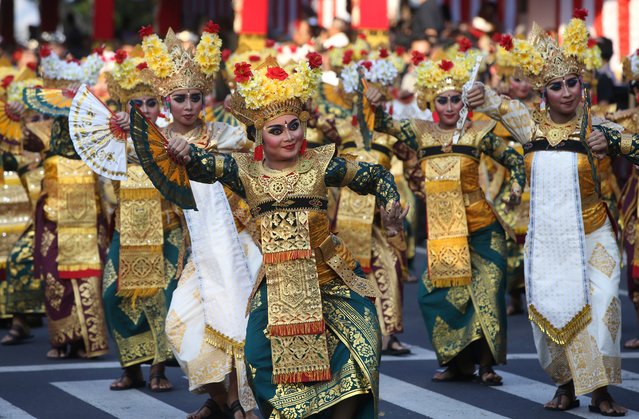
33 387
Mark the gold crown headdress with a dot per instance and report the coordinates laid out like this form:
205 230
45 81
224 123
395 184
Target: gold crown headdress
631 66
59 73
171 67
437 77
125 81
269 91
542 59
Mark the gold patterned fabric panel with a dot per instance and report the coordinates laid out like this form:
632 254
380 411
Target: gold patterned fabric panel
15 213
612 318
449 342
602 261
91 315
141 236
71 201
385 273
175 329
135 349
447 246
588 365
355 217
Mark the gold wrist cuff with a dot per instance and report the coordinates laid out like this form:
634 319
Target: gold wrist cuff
626 143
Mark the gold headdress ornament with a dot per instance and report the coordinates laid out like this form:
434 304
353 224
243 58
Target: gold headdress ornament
542 59
631 66
171 67
125 81
58 73
269 91
437 77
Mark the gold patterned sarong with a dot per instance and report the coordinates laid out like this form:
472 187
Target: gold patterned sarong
448 249
295 320
71 201
141 270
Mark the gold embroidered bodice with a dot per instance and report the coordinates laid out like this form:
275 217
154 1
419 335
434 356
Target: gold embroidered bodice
478 212
299 188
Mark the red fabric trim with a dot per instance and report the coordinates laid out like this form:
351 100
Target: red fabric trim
86 273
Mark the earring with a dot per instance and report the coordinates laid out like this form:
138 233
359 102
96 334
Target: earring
542 104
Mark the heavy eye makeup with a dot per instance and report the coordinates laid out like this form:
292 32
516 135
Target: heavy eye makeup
279 129
443 100
556 86
151 103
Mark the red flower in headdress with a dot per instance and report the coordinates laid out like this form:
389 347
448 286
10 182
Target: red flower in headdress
73 60
276 73
32 65
367 65
592 42
580 14
348 57
145 31
226 53
142 66
45 51
254 58
363 53
98 50
314 60
446 65
496 37
400 51
417 57
464 44
269 43
243 72
7 81
506 42
120 56
383 53
211 27
293 48
361 36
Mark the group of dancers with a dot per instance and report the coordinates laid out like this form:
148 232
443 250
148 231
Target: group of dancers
263 241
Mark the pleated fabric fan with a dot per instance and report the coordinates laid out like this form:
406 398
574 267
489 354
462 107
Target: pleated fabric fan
99 141
168 176
10 130
47 101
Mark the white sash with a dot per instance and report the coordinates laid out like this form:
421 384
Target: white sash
555 263
226 264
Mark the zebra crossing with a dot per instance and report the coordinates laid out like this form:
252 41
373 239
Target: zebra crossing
401 396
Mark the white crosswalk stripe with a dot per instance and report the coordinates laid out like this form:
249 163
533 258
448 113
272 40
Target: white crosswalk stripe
427 402
539 392
393 391
9 411
131 404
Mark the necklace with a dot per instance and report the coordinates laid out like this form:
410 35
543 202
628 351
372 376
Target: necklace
445 138
556 133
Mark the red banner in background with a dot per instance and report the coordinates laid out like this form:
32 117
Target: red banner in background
370 14
169 16
253 16
103 25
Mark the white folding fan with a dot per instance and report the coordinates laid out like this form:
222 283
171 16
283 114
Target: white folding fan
98 140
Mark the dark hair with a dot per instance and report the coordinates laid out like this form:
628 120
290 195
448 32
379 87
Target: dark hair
251 132
605 45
